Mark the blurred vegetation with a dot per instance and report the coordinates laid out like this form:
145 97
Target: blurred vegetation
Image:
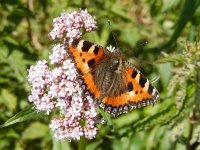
159 36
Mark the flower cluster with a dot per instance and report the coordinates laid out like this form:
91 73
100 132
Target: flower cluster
59 87
72 25
39 78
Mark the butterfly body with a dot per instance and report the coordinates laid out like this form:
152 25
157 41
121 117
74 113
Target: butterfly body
117 85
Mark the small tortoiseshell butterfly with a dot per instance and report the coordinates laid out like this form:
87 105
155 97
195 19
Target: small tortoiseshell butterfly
118 85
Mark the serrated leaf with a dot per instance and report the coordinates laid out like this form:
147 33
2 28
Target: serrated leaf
176 132
196 134
177 58
152 137
24 115
180 94
190 89
197 88
3 53
153 120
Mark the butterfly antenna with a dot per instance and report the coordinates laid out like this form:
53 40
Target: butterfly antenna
112 34
142 44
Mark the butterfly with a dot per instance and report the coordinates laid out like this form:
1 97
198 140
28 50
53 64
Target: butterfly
117 85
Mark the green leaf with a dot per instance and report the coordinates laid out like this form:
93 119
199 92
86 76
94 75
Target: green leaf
34 131
18 64
186 14
152 121
197 92
4 143
167 4
165 73
126 119
106 116
8 99
61 145
22 116
175 58
82 143
100 38
127 35
119 11
94 145
190 89
3 53
117 145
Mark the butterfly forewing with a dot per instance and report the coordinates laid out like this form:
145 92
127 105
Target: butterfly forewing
86 54
87 57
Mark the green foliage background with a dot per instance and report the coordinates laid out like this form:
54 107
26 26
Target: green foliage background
159 36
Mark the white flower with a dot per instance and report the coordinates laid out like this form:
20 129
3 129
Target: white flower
111 48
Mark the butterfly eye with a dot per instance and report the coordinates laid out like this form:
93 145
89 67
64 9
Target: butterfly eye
115 64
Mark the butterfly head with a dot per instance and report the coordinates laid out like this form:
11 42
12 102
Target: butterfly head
116 63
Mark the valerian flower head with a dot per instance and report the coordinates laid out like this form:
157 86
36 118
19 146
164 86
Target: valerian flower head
60 87
72 24
39 76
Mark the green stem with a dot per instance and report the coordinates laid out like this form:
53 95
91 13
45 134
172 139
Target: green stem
82 143
197 96
192 119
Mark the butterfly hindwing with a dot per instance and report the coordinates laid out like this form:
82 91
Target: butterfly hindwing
139 93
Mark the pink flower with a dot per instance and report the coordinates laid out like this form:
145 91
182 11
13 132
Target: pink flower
59 54
72 25
39 78
60 87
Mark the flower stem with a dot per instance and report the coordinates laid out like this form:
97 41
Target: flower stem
188 146
82 143
193 118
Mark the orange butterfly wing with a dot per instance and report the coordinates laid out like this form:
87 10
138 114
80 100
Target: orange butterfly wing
86 55
140 93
